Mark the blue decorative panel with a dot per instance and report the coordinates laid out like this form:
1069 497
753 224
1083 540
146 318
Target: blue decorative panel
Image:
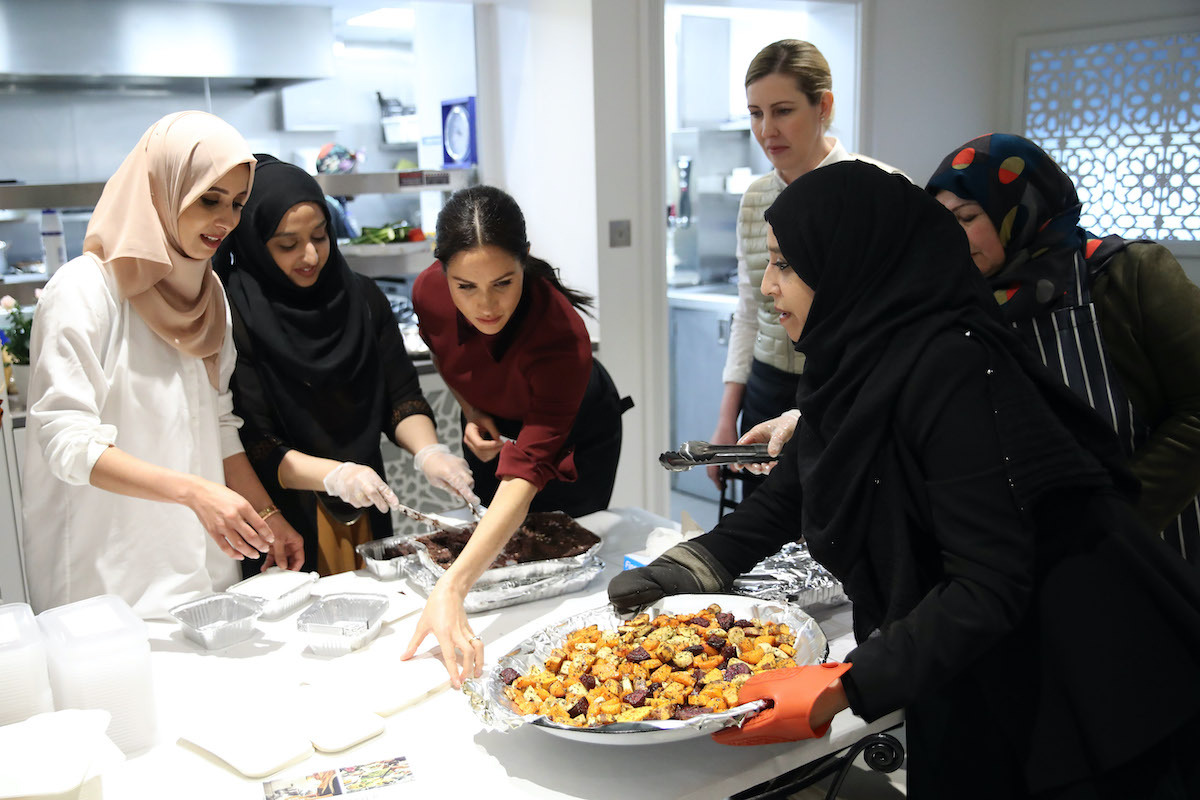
1122 118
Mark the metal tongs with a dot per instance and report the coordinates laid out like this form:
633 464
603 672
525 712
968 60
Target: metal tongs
702 454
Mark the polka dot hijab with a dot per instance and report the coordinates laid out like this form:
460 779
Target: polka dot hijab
1035 209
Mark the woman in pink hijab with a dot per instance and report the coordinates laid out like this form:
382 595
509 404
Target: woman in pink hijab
135 482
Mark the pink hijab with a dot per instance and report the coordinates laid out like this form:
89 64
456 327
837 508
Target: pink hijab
134 229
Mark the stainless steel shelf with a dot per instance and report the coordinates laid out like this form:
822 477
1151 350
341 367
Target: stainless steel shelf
435 180
85 195
50 195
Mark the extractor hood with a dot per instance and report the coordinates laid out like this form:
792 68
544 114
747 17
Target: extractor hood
154 44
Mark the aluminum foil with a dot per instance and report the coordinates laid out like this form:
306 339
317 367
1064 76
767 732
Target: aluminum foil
526 571
792 575
218 620
512 592
385 558
339 623
498 713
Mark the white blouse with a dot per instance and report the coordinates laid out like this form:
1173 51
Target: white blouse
101 377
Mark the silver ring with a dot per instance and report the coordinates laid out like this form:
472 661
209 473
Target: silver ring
475 638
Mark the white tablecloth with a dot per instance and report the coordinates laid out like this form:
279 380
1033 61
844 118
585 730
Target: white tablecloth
449 752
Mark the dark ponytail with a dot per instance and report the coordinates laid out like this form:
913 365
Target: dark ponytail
484 215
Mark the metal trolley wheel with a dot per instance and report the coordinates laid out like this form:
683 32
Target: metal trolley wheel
882 752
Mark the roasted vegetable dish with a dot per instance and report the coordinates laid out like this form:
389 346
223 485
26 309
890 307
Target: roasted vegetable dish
669 667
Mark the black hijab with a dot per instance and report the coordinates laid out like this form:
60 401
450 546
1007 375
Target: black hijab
313 347
891 270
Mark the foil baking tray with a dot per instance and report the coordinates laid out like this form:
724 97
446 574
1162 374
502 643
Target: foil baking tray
512 592
523 571
218 620
385 558
498 713
792 575
340 623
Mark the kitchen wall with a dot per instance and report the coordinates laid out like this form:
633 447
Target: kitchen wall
63 136
542 127
940 72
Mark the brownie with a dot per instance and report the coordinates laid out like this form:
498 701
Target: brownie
543 535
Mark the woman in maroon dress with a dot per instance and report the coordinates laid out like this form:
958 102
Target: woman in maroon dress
541 417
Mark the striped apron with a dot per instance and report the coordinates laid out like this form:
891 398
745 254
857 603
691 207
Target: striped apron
1068 342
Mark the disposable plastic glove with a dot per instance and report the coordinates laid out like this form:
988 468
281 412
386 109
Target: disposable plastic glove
686 568
775 432
793 692
446 471
360 486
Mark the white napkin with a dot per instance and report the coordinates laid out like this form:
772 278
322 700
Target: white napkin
57 755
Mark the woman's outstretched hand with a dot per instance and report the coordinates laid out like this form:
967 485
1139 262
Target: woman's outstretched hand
446 619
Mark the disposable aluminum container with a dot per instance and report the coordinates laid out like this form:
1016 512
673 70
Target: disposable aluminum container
281 591
337 624
219 620
524 572
385 558
513 592
498 713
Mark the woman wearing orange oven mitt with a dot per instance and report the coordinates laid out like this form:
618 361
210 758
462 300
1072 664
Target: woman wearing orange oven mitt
977 512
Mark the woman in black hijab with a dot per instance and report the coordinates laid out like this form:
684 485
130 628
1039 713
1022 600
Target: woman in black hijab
321 371
976 512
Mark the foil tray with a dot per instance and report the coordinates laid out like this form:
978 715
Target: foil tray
337 624
793 576
498 713
386 558
526 571
511 592
218 620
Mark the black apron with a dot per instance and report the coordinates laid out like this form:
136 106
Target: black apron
1068 341
596 439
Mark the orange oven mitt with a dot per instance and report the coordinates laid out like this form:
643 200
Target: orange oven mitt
792 692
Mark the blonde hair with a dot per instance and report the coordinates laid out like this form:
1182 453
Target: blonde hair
799 59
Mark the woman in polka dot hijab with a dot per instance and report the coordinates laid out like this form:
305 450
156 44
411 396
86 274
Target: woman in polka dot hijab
1033 211
1118 321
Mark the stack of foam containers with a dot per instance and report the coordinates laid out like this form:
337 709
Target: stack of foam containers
98 652
24 682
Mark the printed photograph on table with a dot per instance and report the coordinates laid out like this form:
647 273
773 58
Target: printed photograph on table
320 784
376 776
375 780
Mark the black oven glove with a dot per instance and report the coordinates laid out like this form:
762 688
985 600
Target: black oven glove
686 568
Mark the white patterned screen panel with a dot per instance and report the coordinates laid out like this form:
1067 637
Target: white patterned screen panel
1122 118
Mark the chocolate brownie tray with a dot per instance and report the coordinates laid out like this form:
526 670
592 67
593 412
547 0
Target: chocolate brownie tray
500 712
547 544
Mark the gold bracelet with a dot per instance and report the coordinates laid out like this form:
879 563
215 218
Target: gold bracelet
268 512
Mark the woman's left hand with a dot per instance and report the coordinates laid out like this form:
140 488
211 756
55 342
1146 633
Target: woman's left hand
804 701
288 548
446 619
483 437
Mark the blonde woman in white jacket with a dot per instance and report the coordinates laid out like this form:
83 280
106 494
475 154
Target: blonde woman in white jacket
789 92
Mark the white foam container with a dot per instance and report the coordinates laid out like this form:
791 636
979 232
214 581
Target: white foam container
24 678
98 654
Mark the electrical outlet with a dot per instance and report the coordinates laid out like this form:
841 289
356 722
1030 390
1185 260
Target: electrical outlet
619 234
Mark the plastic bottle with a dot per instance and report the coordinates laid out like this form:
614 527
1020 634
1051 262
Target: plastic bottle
54 245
